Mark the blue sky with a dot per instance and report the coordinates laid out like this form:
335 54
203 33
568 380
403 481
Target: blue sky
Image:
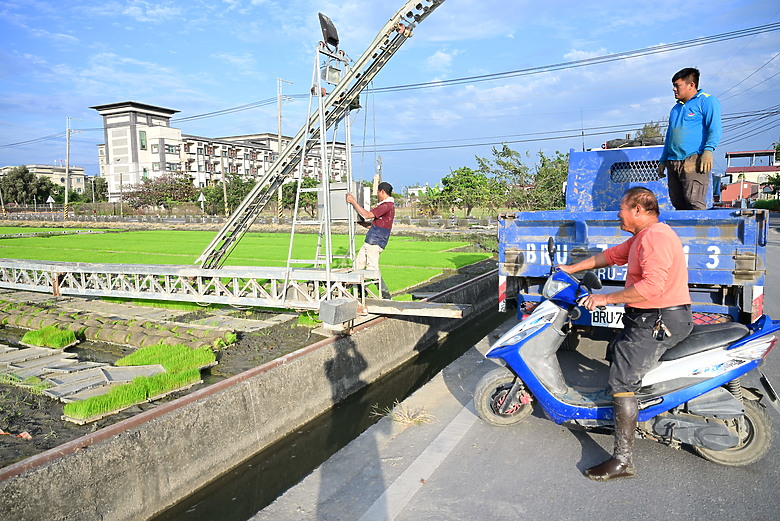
60 57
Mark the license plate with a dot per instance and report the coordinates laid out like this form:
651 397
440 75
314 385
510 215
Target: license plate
610 316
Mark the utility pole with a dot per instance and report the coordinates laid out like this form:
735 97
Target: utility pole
67 166
279 140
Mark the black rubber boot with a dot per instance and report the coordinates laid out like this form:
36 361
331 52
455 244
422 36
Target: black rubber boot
620 464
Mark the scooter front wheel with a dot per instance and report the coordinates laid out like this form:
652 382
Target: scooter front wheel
491 395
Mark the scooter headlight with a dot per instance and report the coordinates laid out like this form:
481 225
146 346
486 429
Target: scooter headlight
553 287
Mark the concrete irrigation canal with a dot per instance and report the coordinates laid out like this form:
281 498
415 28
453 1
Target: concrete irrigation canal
146 463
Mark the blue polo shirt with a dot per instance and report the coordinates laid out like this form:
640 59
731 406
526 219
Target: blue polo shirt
694 126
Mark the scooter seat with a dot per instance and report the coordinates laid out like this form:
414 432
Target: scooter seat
706 337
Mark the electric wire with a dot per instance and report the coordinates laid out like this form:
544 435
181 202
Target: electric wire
751 31
656 49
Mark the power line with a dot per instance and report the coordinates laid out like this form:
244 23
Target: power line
35 140
752 117
656 49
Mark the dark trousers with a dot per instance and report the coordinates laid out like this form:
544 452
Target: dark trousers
687 184
636 349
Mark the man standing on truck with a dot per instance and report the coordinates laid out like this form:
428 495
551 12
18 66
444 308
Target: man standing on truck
693 133
657 313
378 230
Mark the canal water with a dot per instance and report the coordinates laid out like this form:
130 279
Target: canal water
241 493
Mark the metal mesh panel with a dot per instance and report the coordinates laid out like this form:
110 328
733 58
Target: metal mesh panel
634 172
710 318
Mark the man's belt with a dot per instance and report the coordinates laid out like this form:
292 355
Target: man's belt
630 309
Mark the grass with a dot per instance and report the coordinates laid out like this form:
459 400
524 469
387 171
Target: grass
405 415
50 336
182 366
309 319
33 384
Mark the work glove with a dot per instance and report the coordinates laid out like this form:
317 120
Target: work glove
705 161
661 170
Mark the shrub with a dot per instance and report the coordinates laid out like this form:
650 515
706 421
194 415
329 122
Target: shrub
767 204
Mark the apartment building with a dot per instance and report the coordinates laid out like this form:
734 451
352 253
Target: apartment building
140 143
56 174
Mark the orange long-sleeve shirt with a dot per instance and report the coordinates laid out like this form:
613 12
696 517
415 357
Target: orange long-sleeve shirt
656 266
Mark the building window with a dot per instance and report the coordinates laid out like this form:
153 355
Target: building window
156 167
155 149
146 173
143 139
200 151
171 149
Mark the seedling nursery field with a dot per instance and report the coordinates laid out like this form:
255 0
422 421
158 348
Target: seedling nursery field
406 263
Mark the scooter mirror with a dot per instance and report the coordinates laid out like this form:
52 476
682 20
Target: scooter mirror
551 250
591 280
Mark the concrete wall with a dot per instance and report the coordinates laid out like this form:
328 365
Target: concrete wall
140 466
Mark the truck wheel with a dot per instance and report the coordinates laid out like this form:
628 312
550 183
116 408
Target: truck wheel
491 393
755 443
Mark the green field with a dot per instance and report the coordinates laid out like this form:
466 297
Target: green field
405 263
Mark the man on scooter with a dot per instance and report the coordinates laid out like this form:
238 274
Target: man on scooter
657 313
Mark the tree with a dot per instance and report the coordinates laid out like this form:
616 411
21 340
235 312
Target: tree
168 188
549 181
430 200
512 177
58 194
237 189
307 200
100 187
466 188
651 130
21 186
776 146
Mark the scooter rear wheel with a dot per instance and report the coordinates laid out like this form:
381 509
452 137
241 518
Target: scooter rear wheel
491 393
755 443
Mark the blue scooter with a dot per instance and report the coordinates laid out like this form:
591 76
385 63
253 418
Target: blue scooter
707 391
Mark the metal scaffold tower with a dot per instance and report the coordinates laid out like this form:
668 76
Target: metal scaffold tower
333 108
329 66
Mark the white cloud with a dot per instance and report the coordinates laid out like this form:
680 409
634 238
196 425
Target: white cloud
441 60
575 55
245 63
143 11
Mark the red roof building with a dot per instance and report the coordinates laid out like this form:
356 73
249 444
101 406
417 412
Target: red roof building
760 165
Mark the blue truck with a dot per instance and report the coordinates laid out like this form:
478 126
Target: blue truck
725 248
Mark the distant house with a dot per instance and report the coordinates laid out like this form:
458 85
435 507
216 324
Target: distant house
735 192
753 165
414 192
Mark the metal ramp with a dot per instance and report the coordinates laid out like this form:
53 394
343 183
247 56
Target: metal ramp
335 106
303 289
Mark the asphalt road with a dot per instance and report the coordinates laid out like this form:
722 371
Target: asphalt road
460 468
